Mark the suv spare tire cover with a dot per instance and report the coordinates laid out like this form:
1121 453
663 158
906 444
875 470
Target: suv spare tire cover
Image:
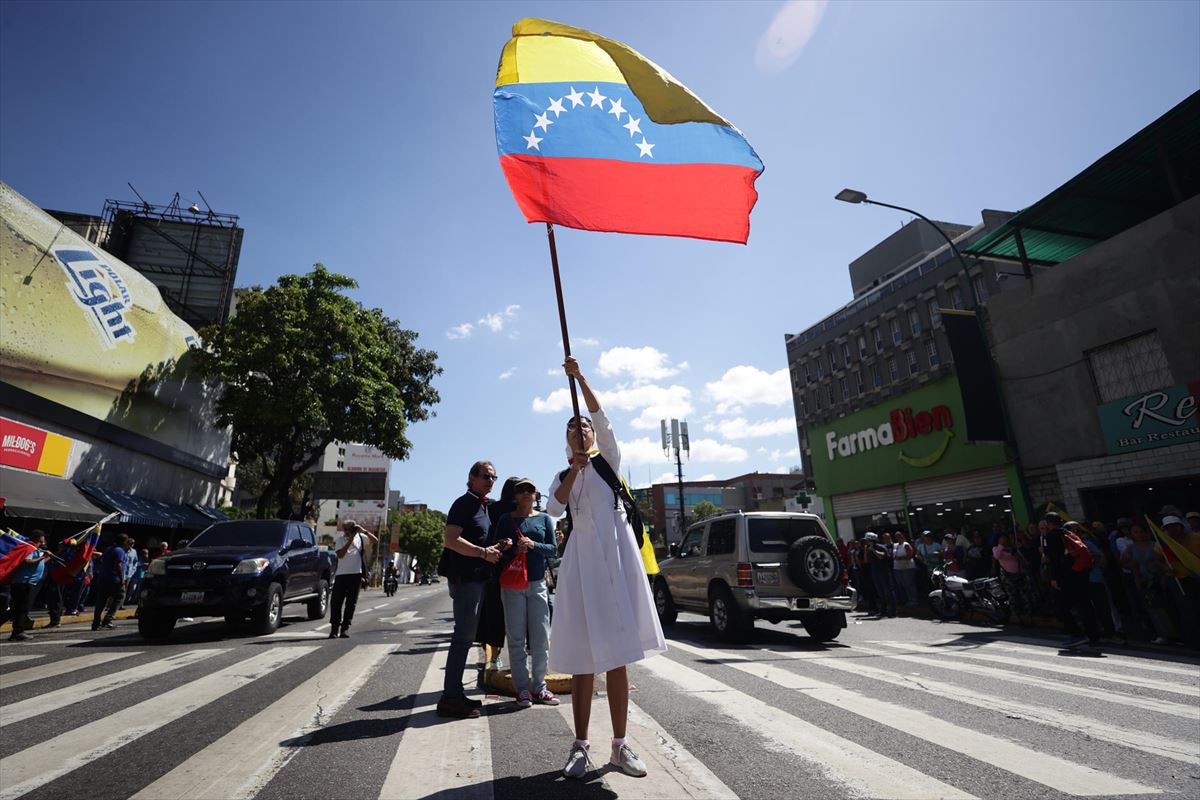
813 565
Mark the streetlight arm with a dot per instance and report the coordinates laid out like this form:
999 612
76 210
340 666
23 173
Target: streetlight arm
938 228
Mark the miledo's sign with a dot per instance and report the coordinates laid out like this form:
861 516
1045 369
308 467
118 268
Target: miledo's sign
907 438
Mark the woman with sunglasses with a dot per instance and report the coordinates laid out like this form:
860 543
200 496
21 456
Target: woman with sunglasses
604 614
527 611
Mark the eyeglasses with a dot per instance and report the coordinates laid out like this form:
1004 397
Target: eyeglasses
573 424
487 477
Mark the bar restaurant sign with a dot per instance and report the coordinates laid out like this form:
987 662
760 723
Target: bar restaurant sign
1159 418
34 449
921 434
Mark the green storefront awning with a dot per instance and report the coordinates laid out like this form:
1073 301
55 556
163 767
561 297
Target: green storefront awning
1154 170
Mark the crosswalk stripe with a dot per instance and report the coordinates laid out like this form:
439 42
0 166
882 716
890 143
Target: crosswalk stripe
243 761
69 695
1177 750
1059 685
1020 645
1076 668
38 765
861 770
455 759
1048 770
11 679
13 658
672 773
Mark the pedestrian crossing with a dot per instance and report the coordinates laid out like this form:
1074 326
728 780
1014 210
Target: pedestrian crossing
682 697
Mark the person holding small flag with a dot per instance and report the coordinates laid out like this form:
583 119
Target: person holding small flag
27 574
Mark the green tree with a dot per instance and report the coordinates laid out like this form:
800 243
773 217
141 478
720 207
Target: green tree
703 510
302 365
420 535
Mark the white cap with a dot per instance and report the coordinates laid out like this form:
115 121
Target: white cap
871 536
1172 520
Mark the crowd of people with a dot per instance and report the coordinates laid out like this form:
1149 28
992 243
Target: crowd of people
1130 584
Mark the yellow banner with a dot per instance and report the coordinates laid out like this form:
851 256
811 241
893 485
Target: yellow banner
1186 557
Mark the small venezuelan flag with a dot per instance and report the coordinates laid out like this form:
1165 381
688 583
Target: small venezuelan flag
593 135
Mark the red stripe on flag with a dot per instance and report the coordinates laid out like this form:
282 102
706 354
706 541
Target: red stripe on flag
701 201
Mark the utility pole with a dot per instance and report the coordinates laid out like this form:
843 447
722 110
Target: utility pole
677 442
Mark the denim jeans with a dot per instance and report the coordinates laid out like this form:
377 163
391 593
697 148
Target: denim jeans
906 582
466 596
527 618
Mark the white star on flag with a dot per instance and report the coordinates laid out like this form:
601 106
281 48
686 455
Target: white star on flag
575 97
597 98
557 107
532 141
543 121
615 109
645 147
633 126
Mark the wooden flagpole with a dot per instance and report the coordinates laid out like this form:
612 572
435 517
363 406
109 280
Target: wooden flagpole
562 321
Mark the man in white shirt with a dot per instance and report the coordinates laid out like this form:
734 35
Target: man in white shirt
350 545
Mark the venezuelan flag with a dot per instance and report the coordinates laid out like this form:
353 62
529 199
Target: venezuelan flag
76 555
593 135
14 549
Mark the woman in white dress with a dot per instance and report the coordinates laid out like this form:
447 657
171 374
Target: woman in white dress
604 614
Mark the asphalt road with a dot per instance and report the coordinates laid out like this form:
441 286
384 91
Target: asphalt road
903 708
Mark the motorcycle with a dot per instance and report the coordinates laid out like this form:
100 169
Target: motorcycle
390 584
953 596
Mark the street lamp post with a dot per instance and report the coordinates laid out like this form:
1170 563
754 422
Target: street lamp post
677 441
855 196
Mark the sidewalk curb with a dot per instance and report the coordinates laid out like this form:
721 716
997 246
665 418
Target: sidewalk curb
41 621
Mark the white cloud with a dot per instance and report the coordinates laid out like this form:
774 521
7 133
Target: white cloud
495 322
775 455
460 331
719 452
684 365
739 428
641 451
555 372
558 400
744 386
508 373
642 364
666 477
708 476
588 341
652 402
790 30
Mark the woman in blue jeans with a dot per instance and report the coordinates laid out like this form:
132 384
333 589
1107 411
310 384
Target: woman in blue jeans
527 611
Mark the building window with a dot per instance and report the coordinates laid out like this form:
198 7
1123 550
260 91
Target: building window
817 399
820 368
931 353
875 380
862 346
914 321
935 316
956 298
829 389
845 389
981 292
341 464
912 362
803 405
893 371
858 380
807 373
896 334
878 339
832 360
846 352
1132 366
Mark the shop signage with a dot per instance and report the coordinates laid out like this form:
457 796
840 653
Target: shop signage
364 458
34 449
1159 418
905 439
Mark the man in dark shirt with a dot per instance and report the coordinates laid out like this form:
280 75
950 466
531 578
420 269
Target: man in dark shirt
110 583
464 565
1070 588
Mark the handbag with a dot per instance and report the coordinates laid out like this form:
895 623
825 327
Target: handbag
515 574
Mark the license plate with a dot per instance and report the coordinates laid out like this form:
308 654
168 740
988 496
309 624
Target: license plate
768 578
191 597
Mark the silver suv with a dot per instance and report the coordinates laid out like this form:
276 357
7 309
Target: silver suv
756 565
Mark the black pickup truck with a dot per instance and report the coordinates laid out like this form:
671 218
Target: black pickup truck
238 570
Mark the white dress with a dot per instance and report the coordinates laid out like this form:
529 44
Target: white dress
604 613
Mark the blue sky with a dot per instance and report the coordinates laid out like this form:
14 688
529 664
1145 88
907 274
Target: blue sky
360 135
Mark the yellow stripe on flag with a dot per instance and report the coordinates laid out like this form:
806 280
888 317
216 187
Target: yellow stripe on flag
555 59
1185 556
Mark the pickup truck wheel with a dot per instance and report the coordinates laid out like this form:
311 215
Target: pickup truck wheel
265 618
664 604
824 626
155 625
727 619
813 565
319 605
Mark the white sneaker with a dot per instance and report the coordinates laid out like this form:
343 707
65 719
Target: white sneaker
578 763
627 761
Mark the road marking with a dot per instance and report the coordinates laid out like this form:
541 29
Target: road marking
1051 651
672 772
403 618
1177 750
455 759
1076 669
1064 685
11 679
1048 770
78 692
243 761
432 632
17 657
37 640
38 765
863 772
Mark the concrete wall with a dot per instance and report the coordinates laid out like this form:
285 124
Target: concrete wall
1126 468
1147 278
